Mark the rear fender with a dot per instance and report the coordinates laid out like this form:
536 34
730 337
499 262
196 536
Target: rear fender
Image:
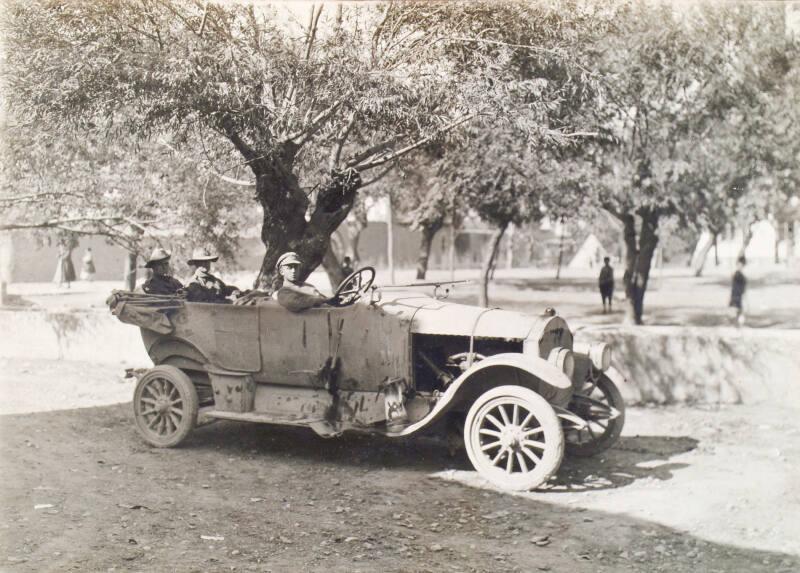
498 370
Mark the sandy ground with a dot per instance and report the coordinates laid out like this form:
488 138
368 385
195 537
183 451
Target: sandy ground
685 490
675 296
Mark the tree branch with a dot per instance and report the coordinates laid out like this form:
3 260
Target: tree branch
336 150
241 146
419 143
312 31
34 197
380 176
316 123
59 223
383 146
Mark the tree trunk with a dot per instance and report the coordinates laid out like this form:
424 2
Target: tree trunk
346 238
638 260
648 241
390 239
747 236
716 250
284 225
510 247
777 246
6 265
560 251
451 252
356 229
426 240
130 271
702 255
488 263
333 268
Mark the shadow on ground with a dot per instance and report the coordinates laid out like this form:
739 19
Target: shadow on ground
80 491
618 467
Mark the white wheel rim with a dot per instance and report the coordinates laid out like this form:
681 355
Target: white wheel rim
510 445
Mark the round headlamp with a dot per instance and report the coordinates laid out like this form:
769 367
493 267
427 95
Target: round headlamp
600 355
562 359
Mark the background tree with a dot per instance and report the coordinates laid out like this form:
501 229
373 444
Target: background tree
308 109
665 90
134 196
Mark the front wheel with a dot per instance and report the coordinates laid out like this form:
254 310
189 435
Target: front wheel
165 406
600 403
513 438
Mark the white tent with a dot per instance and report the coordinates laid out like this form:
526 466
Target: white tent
590 254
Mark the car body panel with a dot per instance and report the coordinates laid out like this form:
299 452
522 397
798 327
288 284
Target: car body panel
333 365
543 378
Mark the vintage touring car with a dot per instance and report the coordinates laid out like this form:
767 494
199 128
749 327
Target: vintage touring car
380 360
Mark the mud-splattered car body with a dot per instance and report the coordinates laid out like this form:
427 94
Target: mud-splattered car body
397 366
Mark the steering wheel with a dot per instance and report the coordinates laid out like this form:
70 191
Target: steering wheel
353 287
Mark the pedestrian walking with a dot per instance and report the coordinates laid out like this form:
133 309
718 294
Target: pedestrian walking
738 288
606 283
87 266
65 270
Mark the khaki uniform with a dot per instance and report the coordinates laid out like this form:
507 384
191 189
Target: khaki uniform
205 287
297 298
161 284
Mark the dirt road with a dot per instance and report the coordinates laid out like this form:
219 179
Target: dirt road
81 492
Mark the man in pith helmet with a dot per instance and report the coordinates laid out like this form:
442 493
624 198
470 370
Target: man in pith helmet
203 286
296 295
162 281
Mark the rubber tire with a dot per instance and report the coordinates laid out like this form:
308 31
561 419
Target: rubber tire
553 437
188 394
611 435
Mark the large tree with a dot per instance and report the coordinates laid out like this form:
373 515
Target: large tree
308 108
667 89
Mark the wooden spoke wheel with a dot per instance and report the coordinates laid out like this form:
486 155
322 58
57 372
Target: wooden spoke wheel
513 438
165 406
600 403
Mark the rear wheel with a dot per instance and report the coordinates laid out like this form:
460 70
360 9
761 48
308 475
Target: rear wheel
600 403
513 438
165 406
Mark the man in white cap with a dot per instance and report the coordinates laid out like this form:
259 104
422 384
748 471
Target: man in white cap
296 295
203 286
162 281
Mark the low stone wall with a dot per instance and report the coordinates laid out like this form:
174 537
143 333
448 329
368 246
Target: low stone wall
90 336
704 365
662 364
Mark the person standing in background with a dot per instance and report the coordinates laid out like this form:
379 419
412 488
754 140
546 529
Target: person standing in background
347 266
738 287
606 283
65 270
87 266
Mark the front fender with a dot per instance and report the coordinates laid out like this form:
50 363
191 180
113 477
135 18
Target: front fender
498 370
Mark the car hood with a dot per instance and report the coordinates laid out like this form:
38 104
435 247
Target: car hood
431 316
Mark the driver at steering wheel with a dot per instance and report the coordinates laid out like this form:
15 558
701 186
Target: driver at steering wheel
296 295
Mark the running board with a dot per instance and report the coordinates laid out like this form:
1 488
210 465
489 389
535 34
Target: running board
319 425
